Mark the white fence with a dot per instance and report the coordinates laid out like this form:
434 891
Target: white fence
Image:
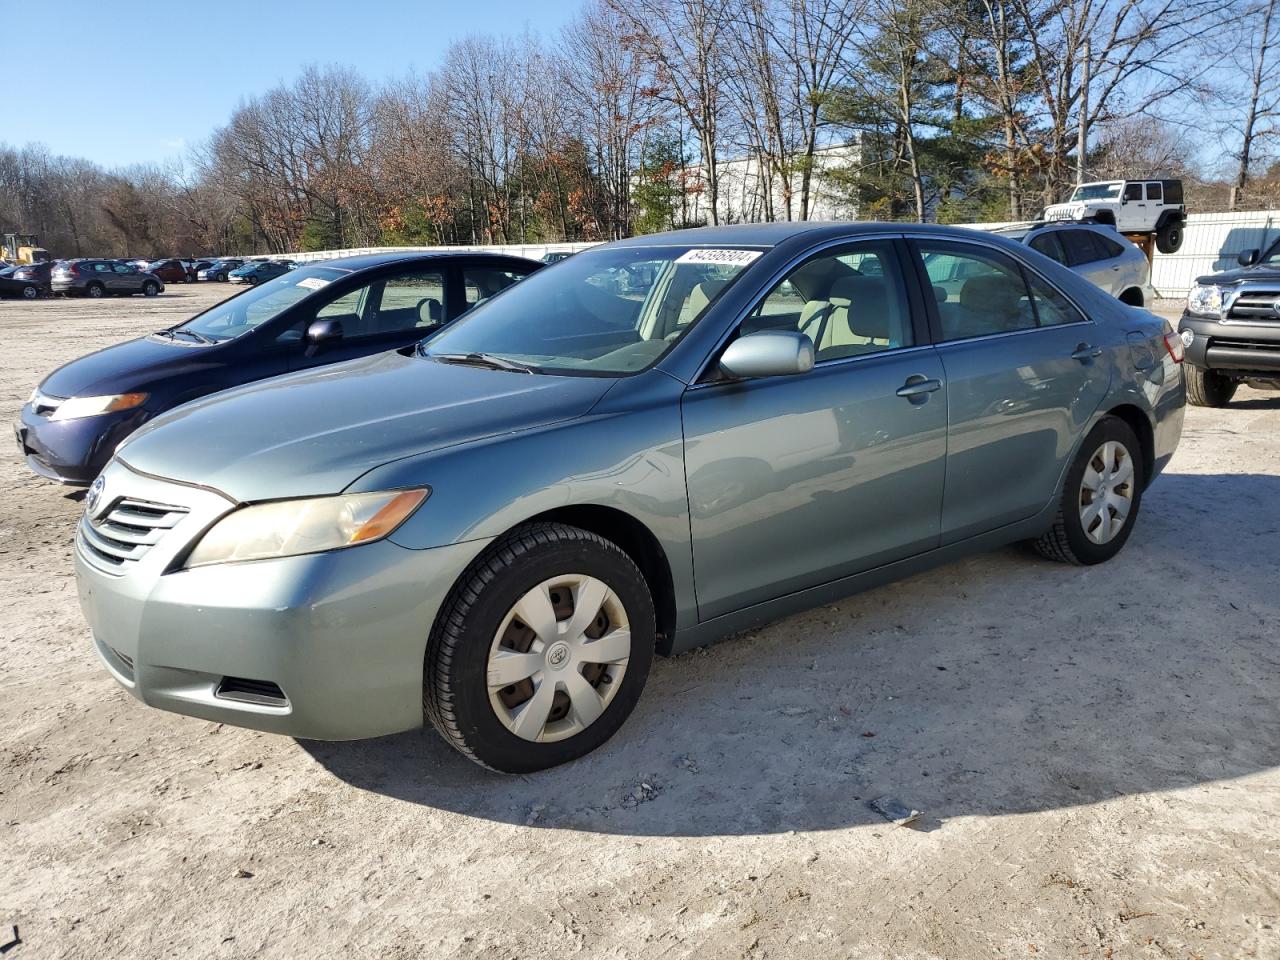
1211 244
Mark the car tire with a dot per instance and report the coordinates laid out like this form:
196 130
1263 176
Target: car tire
95 290
1080 535
150 289
544 566
1206 388
30 292
1169 237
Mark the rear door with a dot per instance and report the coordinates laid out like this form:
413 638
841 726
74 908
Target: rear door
1089 257
1022 382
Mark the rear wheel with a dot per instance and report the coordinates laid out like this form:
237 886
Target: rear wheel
1206 388
1169 237
541 650
95 290
1100 498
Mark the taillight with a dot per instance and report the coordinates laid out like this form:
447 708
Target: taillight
1173 343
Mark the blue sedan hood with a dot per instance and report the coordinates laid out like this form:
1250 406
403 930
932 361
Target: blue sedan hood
314 433
118 369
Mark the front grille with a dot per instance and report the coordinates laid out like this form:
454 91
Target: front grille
1255 305
264 693
123 535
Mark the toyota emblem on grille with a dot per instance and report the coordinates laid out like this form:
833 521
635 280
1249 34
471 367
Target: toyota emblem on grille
94 495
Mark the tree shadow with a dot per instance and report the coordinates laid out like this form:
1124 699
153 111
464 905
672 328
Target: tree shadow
996 685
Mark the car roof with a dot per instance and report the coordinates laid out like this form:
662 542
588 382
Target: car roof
771 234
366 260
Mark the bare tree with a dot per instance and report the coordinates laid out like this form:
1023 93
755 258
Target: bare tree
1261 34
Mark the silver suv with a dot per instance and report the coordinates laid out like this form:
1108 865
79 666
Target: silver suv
1097 253
97 278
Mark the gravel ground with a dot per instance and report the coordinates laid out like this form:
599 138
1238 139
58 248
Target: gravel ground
1094 751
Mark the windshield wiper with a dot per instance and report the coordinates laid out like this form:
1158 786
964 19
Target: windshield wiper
197 337
490 360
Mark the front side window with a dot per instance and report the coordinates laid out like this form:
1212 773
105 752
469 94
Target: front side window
978 292
607 312
848 303
1133 191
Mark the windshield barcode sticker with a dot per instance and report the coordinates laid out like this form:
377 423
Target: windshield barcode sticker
312 283
729 258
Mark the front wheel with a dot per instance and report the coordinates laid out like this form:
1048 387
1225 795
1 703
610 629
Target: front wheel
541 650
1100 498
30 292
149 289
1206 388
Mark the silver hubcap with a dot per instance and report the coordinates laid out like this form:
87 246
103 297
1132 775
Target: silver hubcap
1106 492
558 658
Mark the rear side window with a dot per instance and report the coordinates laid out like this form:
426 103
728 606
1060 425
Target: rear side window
979 292
1110 247
1154 192
1082 247
481 283
1052 308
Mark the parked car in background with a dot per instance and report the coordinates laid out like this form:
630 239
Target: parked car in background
140 262
311 317
38 274
1097 253
12 286
496 531
259 271
555 256
219 270
198 267
100 278
1231 328
1131 206
170 271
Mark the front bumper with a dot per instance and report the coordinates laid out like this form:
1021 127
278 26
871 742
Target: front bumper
340 636
1245 348
72 451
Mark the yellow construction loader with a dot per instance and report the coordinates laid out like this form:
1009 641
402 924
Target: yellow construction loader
22 248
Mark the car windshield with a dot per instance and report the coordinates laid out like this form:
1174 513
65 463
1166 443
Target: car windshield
603 312
259 304
1097 191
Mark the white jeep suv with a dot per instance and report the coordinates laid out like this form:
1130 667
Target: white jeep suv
1131 206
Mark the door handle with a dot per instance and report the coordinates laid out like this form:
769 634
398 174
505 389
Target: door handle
918 387
1085 352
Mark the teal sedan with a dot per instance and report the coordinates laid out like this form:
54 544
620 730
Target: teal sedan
641 449
260 271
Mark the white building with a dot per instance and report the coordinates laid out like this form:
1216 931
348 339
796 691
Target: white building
744 186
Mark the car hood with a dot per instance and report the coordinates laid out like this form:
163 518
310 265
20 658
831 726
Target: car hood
117 369
1242 275
316 432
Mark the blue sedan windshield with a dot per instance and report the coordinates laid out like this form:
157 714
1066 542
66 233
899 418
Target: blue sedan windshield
605 312
257 305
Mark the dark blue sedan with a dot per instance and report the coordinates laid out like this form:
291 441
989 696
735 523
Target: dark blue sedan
308 317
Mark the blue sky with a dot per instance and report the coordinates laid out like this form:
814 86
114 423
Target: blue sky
142 82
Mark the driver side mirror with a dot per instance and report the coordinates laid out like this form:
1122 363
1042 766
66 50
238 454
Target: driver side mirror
1247 258
769 353
324 331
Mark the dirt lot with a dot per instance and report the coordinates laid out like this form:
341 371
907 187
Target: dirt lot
1095 751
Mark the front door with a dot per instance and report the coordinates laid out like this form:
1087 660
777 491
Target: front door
796 481
1024 373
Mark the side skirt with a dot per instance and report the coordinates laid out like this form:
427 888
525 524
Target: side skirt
722 627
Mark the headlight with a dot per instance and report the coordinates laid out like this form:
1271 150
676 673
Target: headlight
78 407
1205 300
290 527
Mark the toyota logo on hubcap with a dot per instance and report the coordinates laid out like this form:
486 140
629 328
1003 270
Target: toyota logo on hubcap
557 655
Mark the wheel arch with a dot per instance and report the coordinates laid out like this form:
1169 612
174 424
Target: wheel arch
638 542
1138 421
1132 296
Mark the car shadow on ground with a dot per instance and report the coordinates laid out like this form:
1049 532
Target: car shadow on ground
996 685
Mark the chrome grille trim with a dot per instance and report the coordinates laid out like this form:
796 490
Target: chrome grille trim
124 533
1255 304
